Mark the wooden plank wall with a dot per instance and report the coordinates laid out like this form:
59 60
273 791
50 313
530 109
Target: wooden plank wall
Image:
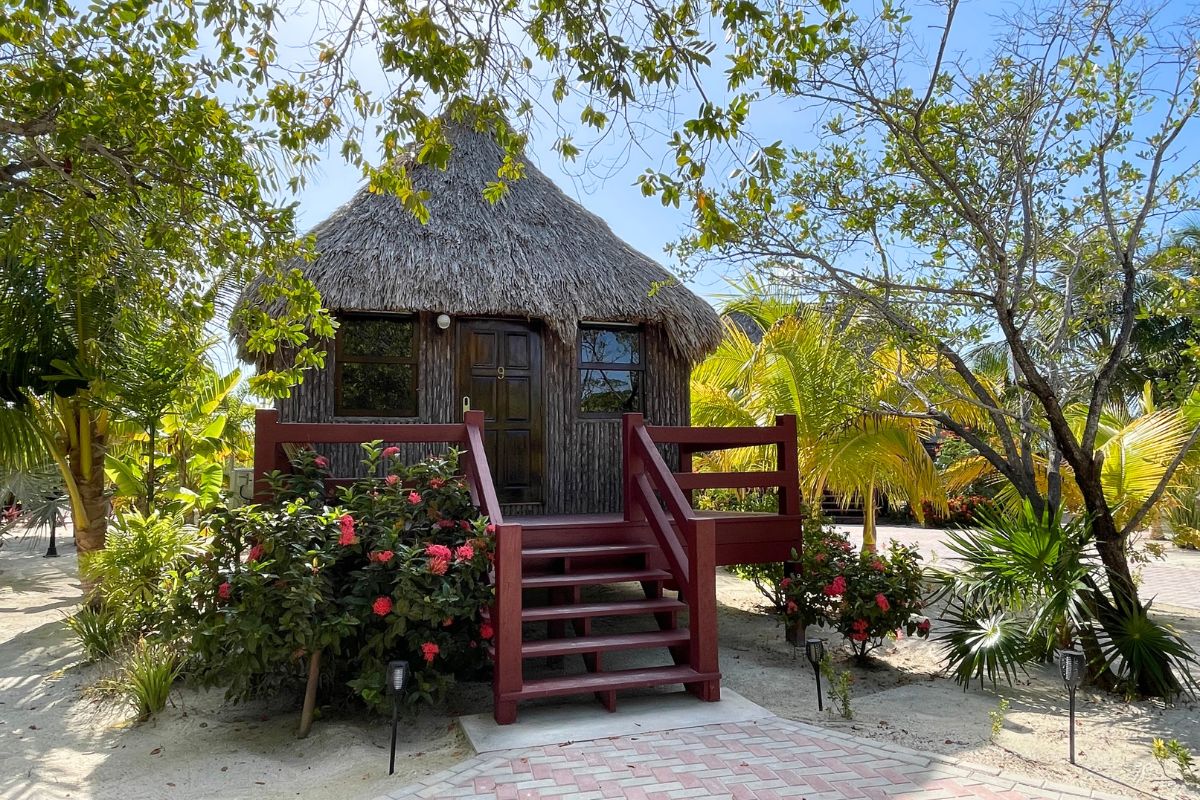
583 456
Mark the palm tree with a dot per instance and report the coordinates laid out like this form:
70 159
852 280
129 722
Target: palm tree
781 357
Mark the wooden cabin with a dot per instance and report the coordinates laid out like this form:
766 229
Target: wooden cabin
531 310
556 357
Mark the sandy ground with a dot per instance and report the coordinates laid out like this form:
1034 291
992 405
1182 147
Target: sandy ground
59 741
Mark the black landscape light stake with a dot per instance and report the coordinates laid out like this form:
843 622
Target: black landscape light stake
397 679
1070 662
52 550
815 650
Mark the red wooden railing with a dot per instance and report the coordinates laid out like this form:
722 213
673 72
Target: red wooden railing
270 435
658 496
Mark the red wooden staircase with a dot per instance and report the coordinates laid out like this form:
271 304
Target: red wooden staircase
545 568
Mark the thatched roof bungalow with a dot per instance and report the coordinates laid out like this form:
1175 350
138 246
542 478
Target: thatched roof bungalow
531 309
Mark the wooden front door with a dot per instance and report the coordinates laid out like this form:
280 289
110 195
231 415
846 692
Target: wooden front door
500 371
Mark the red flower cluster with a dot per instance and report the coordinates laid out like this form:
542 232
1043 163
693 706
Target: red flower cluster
392 480
388 452
837 587
347 538
321 461
255 554
414 497
439 558
486 631
490 528
859 630
464 553
785 583
923 626
436 483
882 602
382 606
429 652
225 590
380 556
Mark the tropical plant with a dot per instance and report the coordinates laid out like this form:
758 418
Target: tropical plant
1027 584
147 675
100 631
1172 750
136 572
794 361
838 682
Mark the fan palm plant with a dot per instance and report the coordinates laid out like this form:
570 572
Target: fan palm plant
780 357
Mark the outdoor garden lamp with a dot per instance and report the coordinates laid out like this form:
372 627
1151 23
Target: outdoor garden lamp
397 679
1070 662
814 649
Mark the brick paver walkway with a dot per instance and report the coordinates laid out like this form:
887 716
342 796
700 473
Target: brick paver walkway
763 760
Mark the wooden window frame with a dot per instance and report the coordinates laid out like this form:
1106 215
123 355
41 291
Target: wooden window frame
581 365
414 360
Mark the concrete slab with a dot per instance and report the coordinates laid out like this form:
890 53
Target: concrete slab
539 726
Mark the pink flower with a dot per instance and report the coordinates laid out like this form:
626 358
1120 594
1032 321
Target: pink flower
859 637
255 553
836 588
224 590
846 546
882 602
438 551
447 622
429 651
877 565
436 483
819 558
792 608
438 566
382 606
347 538
785 583
859 625
414 497
381 556
466 526
388 452
392 480
486 631
464 553
445 523
490 528
923 627
321 461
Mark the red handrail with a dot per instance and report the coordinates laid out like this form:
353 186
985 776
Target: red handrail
689 545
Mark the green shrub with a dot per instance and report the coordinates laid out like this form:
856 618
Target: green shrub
838 682
148 675
99 630
398 568
138 567
996 716
1186 538
863 596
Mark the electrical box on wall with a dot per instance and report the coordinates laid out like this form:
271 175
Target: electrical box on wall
241 487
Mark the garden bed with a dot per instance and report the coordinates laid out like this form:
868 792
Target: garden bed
60 740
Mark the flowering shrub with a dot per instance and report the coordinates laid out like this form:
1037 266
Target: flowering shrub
863 596
397 569
962 510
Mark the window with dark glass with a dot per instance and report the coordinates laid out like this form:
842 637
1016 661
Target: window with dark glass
610 370
375 373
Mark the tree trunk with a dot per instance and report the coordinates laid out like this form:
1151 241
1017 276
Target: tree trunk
87 470
869 537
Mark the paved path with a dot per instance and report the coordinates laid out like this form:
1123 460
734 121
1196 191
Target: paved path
1173 581
762 760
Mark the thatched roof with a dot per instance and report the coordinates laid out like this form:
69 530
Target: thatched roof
536 254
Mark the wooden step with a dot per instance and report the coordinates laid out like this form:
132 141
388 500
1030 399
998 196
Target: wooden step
620 608
603 644
588 551
602 681
553 580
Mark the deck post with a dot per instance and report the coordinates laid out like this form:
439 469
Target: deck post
266 451
702 608
788 462
509 678
631 466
